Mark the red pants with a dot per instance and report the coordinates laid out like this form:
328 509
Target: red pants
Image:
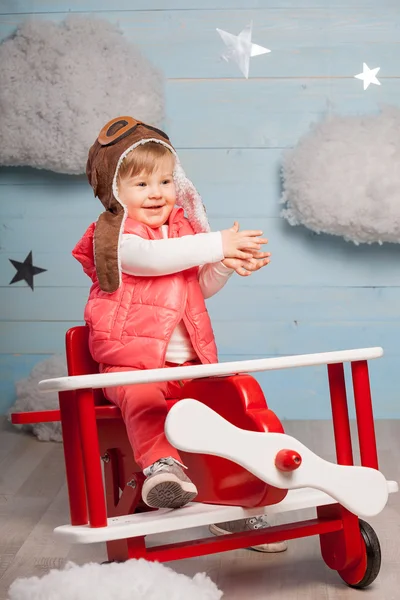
144 410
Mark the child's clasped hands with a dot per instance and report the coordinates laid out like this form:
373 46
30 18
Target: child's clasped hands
242 250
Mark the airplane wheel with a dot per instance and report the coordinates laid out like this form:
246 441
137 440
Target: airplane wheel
374 557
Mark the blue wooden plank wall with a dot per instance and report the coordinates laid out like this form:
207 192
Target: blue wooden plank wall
319 293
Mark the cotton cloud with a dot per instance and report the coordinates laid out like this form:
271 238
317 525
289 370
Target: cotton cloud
343 178
61 82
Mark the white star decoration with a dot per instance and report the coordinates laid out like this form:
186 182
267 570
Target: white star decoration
368 76
240 48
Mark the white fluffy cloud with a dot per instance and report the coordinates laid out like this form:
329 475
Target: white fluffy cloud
30 398
131 580
61 82
343 178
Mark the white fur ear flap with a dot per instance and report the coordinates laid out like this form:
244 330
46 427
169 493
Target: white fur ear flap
189 199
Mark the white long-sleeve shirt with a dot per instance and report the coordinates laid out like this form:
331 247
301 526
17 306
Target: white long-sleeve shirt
153 258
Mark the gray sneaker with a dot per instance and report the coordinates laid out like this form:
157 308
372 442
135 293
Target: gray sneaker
249 525
167 486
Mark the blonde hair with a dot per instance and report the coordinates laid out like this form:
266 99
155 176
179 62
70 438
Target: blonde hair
143 158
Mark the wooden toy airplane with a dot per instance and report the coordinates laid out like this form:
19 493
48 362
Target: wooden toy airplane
237 453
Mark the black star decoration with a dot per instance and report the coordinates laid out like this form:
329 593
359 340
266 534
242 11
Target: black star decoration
25 270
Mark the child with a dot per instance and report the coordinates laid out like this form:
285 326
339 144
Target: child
151 269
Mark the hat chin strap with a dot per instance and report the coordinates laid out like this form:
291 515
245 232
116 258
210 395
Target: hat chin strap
107 234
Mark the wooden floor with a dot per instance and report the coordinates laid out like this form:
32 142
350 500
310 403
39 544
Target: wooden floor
33 500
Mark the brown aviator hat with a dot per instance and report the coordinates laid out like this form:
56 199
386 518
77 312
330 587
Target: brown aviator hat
115 141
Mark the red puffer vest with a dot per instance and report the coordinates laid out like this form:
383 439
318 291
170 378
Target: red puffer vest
132 326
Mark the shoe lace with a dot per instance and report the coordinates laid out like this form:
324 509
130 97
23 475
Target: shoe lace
258 522
160 465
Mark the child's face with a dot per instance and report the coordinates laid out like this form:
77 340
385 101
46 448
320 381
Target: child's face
150 197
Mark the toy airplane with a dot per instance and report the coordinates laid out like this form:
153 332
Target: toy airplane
237 453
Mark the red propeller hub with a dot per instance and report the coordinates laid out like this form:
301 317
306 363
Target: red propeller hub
288 460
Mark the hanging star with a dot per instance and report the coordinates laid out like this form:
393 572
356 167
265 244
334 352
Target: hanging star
25 270
240 48
368 76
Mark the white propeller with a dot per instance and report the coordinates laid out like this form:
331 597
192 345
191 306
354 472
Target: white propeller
193 427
